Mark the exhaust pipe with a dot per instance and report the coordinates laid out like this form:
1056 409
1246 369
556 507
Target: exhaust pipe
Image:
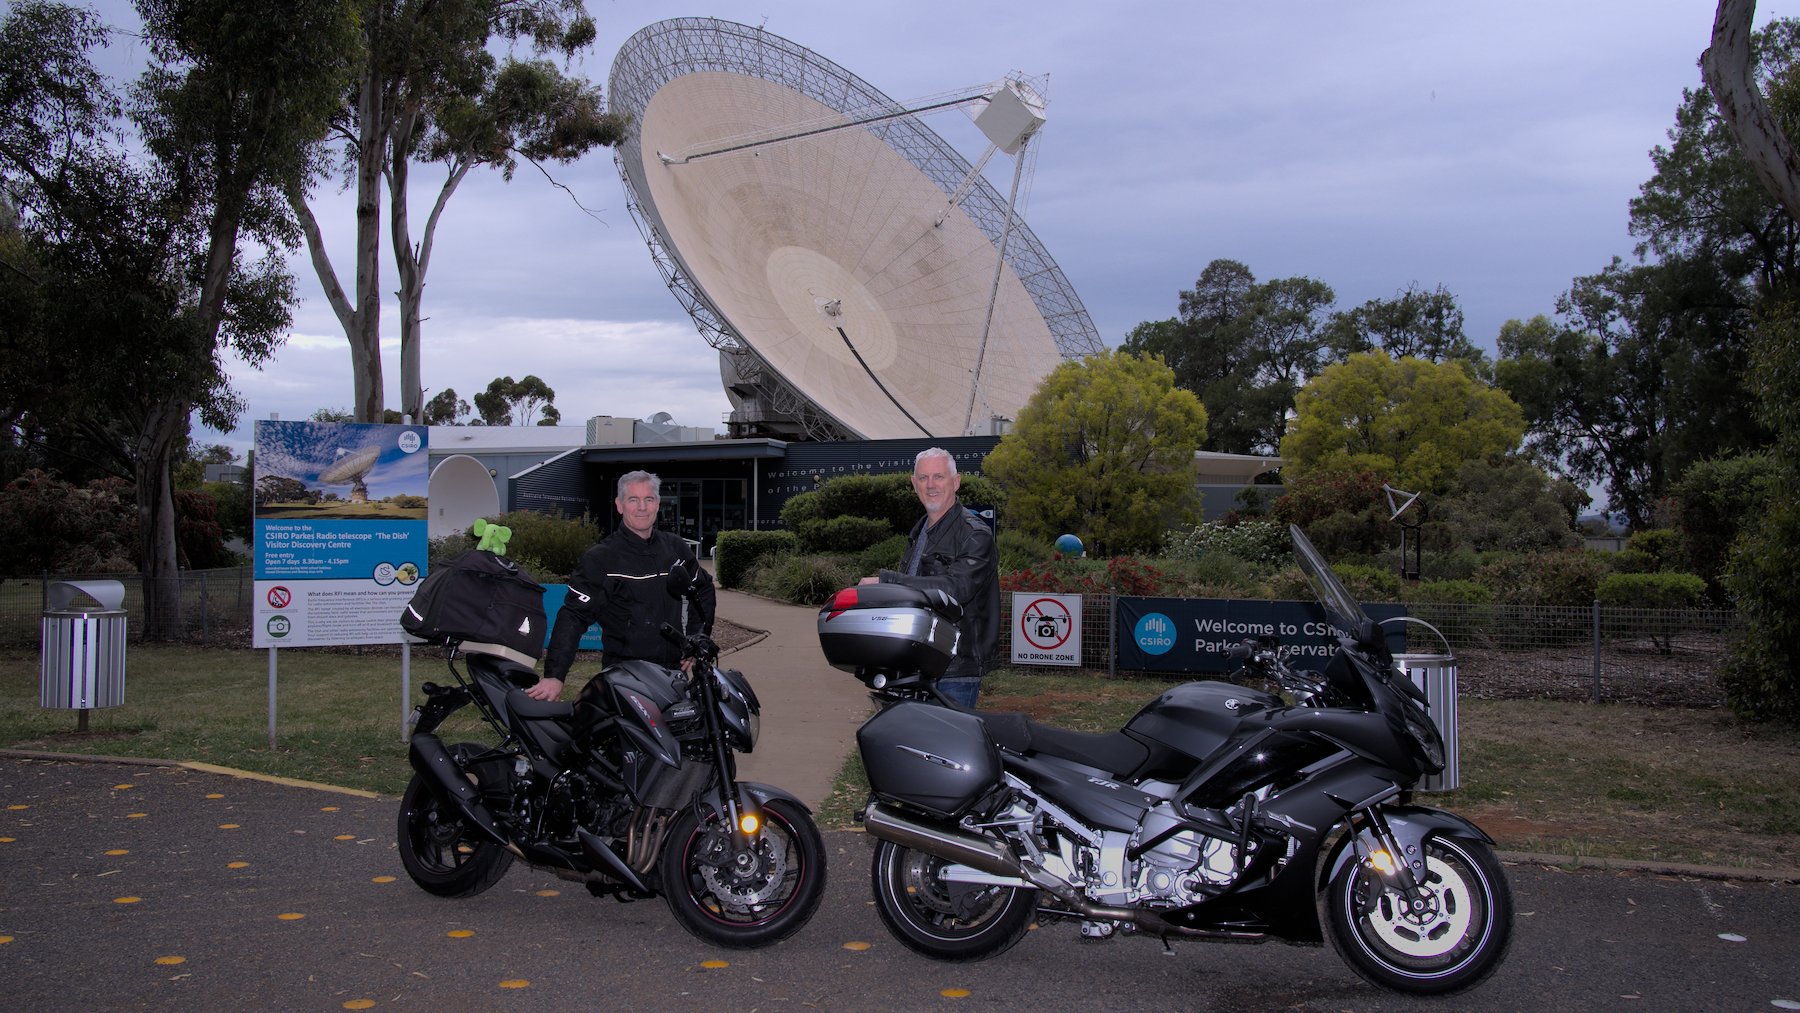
429 757
986 854
976 852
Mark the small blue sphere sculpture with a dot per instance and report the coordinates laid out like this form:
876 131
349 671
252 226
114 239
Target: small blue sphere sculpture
1068 545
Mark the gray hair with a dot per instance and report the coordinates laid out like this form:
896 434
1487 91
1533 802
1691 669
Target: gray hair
930 452
635 477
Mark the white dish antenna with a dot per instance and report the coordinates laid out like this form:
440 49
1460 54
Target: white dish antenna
859 277
351 469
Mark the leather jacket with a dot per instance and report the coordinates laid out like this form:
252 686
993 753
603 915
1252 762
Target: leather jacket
620 583
960 559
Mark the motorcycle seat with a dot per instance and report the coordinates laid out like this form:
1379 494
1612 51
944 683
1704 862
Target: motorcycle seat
1114 752
526 707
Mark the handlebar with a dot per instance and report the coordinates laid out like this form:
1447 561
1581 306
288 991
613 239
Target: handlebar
700 646
1264 656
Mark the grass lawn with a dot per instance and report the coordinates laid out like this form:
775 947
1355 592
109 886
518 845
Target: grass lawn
1617 781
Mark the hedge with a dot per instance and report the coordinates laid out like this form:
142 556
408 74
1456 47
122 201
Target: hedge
736 552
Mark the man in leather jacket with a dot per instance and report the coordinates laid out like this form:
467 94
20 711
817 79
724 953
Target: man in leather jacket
620 583
952 550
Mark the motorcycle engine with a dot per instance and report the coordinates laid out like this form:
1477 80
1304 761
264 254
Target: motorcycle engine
1185 868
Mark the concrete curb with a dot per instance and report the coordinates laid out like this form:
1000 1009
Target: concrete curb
204 768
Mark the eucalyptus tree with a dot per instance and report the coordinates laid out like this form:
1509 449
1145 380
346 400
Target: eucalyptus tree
429 90
138 235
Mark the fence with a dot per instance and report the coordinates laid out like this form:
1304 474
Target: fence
1652 656
210 607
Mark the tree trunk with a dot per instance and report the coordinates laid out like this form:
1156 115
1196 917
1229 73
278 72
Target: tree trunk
413 261
166 424
365 339
1730 74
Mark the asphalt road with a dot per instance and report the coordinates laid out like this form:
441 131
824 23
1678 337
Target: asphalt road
137 887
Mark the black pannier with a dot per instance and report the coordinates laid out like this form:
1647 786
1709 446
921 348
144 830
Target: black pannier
484 601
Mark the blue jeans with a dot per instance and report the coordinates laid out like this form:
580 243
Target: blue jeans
964 691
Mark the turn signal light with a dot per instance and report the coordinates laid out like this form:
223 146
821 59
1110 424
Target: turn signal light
749 823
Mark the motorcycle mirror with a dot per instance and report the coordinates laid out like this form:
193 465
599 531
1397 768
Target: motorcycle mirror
683 578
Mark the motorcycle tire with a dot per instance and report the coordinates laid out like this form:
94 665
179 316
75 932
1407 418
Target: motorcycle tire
1459 938
770 897
445 856
946 921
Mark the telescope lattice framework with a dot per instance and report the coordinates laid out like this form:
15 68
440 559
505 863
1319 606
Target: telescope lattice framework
847 296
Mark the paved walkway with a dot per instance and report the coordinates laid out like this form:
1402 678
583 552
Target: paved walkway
810 711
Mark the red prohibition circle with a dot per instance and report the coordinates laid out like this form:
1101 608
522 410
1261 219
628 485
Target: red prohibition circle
1067 626
279 596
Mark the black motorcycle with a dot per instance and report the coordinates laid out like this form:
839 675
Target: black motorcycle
1219 811
631 789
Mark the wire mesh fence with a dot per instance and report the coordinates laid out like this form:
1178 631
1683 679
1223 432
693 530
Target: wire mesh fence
208 607
1653 656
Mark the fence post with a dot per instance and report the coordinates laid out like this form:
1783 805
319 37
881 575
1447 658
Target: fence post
1596 650
204 641
1112 631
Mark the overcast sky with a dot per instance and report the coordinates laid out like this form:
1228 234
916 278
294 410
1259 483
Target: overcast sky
1489 148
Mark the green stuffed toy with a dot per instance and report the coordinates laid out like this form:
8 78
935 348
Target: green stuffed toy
493 536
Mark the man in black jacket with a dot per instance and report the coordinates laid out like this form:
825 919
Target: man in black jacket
620 583
951 549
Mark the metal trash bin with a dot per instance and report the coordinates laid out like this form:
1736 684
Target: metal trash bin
1435 675
83 649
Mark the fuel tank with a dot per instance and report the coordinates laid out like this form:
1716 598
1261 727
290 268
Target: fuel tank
1195 718
928 757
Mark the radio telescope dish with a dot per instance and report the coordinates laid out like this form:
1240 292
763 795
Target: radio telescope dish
858 276
351 469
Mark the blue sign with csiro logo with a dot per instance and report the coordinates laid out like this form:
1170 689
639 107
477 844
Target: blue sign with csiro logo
1196 634
1154 634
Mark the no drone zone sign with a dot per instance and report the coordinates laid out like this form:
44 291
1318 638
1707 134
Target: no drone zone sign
1046 629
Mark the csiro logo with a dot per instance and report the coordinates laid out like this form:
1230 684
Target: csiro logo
1155 633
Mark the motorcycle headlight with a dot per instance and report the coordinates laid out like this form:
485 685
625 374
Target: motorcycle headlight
1424 731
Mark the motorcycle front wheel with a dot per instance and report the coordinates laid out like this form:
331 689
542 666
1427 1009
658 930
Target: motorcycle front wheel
1456 938
944 920
750 897
442 853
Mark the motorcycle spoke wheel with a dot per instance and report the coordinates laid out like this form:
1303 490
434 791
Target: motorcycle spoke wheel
750 897
944 920
1455 937
441 853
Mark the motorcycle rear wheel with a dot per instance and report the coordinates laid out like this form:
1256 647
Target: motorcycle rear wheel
443 854
769 897
946 921
1457 940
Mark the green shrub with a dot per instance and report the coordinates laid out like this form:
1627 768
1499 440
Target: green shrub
736 552
1714 501
888 497
1214 574
552 541
1662 545
1652 591
1451 592
1629 560
1019 550
1258 543
1565 578
883 555
803 580
1369 583
846 533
